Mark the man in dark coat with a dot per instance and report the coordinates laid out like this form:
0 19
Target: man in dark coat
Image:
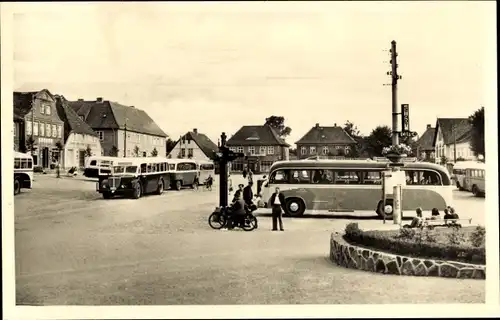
277 202
248 196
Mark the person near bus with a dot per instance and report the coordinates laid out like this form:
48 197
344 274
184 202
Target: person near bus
248 196
238 192
277 202
210 182
260 182
417 221
447 214
244 172
237 210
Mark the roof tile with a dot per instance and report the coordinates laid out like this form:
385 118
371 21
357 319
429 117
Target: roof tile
328 135
256 136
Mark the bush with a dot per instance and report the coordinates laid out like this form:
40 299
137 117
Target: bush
406 233
478 237
385 241
352 229
37 169
456 237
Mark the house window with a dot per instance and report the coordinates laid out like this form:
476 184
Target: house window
42 109
41 128
338 147
251 150
183 153
325 150
54 131
35 129
190 152
47 110
48 130
101 135
312 150
240 149
232 149
270 150
262 151
144 154
59 131
28 128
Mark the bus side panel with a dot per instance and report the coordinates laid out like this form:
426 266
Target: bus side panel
24 179
427 199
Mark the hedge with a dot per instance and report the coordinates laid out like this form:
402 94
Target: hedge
385 242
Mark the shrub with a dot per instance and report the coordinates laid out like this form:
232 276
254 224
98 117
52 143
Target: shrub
478 237
456 237
385 241
406 233
352 229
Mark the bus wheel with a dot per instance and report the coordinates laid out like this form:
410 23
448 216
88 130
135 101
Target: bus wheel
475 191
159 189
137 191
295 207
17 186
178 185
381 211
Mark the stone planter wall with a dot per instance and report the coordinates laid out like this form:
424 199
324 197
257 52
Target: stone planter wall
354 257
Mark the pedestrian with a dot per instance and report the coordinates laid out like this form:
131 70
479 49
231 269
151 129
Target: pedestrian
417 221
250 176
435 215
277 202
244 172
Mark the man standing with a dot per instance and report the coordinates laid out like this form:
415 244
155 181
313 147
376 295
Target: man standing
277 201
248 194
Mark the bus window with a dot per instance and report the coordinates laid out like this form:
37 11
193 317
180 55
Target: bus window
17 163
346 177
93 162
144 168
279 176
299 176
172 167
322 176
372 177
428 178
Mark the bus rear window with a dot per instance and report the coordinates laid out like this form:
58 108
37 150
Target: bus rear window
93 162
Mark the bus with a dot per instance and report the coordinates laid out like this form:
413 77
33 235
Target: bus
183 172
458 172
206 168
474 179
96 166
349 185
23 171
135 177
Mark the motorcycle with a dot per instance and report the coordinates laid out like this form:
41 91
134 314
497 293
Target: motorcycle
221 216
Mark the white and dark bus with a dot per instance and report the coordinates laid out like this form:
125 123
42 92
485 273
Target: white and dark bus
356 185
135 177
23 171
183 172
96 166
206 168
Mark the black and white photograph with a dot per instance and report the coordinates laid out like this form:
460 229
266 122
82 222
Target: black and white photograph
255 159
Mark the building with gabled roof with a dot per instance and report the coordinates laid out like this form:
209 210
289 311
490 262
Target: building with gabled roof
262 146
331 141
194 145
452 139
424 145
122 130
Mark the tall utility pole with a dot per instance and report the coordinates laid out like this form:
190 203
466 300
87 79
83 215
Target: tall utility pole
125 140
223 187
395 108
454 144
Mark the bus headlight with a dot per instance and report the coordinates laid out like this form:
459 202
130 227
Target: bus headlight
388 209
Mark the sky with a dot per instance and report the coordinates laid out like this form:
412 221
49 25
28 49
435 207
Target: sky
218 66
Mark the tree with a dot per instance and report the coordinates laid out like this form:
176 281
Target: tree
154 153
278 123
443 161
353 131
114 151
30 144
477 122
170 144
88 151
60 147
379 138
136 151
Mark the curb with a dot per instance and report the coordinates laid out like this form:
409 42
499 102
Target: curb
354 257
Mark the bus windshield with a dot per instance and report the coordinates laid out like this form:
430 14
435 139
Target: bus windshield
125 169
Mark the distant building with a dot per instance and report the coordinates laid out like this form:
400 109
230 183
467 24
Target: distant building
424 145
453 134
35 116
326 142
194 145
261 145
122 130
78 136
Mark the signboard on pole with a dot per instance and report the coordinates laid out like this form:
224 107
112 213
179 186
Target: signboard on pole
405 115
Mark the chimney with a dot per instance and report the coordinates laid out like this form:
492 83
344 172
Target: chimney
80 99
317 125
195 131
132 106
334 124
99 99
428 126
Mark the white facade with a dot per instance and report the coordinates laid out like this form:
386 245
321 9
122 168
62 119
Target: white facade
75 148
145 142
447 150
188 148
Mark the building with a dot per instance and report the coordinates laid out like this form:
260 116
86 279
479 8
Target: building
36 120
80 140
194 145
261 145
424 145
122 130
331 142
451 140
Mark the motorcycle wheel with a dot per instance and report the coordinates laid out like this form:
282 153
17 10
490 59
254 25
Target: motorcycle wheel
250 223
217 220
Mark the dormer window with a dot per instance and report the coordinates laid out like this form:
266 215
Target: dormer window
47 110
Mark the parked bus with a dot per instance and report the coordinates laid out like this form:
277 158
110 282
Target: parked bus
206 169
135 177
96 166
349 185
23 171
458 173
183 172
474 179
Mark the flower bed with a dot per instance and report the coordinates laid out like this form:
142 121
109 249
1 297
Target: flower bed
461 245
